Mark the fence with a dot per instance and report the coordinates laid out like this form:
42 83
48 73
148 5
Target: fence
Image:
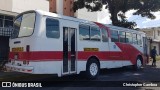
4 49
6 31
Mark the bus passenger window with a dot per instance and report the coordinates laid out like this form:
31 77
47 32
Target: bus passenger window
95 34
128 38
135 41
139 39
84 32
52 28
104 35
122 37
114 36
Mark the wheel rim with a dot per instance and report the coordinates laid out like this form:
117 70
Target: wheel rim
139 64
93 69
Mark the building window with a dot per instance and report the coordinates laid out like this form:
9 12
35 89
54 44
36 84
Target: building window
158 33
6 21
52 28
114 36
1 22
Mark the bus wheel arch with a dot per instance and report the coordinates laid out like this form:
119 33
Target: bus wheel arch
138 63
92 67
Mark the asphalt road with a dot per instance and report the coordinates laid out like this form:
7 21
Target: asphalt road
107 78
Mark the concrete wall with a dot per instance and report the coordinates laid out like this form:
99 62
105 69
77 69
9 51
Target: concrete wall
24 5
84 14
98 16
6 5
152 32
59 6
52 6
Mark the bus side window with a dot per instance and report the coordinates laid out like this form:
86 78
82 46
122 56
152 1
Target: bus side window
104 35
128 37
122 36
84 32
139 39
135 41
114 36
52 28
95 34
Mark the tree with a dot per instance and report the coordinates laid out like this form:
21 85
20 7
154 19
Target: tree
118 8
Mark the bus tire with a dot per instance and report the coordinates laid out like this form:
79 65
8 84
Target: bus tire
92 69
138 64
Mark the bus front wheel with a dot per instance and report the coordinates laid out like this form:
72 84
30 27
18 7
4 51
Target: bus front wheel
92 69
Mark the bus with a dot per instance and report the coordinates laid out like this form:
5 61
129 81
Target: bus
48 43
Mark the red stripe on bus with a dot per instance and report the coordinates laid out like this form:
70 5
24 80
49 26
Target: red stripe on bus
58 55
38 55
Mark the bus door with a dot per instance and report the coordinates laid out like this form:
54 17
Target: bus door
69 50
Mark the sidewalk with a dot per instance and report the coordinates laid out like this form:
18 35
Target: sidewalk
10 75
150 64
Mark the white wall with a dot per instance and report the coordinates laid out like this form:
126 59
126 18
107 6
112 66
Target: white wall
84 14
104 16
6 5
59 6
24 5
98 16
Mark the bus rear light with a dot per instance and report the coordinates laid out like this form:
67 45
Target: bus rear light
27 48
26 62
29 70
13 62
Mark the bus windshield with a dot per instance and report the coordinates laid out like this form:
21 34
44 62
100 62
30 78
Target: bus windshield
24 25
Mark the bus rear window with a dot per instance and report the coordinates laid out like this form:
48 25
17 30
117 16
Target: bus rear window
24 25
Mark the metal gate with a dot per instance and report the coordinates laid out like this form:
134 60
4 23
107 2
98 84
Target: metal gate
4 48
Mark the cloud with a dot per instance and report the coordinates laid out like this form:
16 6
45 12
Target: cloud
143 22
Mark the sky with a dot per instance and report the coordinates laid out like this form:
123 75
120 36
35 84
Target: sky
142 22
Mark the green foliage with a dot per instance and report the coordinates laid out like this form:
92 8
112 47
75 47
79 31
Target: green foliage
143 7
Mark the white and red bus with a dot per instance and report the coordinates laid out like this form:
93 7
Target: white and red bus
48 43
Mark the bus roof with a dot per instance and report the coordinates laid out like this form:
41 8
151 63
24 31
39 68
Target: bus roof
123 29
63 17
45 13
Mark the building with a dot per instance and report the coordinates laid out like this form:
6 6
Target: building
8 10
64 7
153 35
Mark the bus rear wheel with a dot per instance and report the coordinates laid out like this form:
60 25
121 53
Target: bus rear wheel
138 64
92 69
